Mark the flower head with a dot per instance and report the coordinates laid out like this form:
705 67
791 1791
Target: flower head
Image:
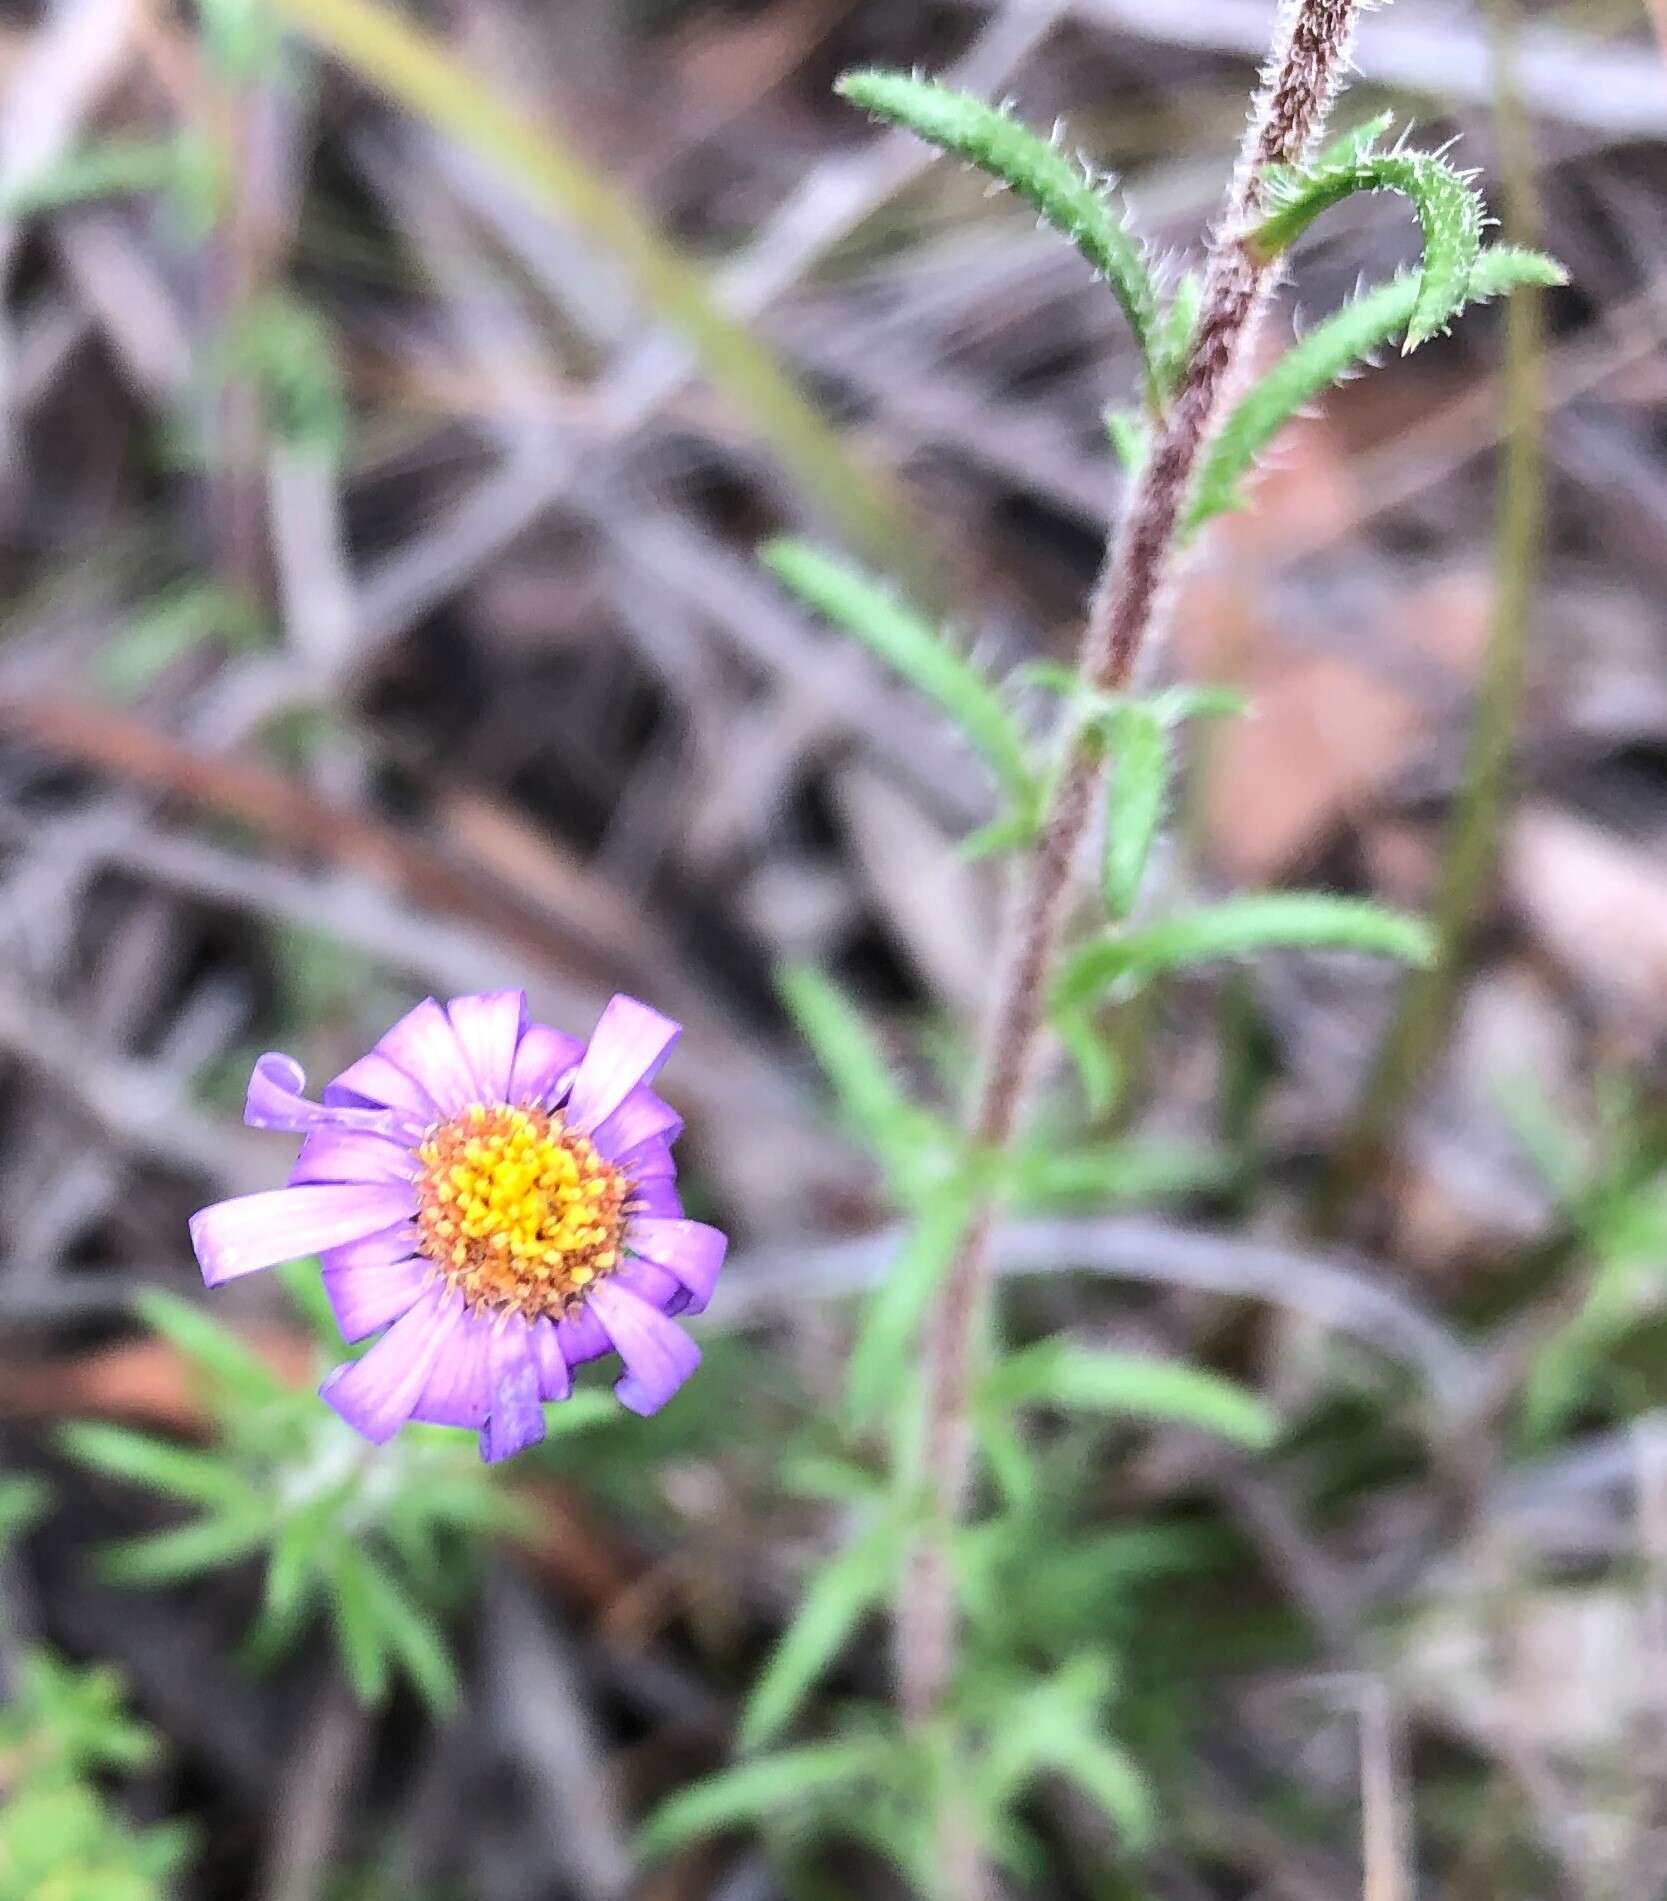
501 1198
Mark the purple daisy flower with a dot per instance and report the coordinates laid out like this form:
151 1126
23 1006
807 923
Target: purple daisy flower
501 1198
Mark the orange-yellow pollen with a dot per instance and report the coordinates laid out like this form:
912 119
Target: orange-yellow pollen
518 1212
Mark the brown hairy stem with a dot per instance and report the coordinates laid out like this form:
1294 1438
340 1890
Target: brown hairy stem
1127 611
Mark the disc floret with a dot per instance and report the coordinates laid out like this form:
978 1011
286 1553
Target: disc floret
520 1213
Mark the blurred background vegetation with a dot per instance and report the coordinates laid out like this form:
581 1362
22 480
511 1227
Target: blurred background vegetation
391 404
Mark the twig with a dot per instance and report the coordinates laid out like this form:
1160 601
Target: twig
1128 610
316 1791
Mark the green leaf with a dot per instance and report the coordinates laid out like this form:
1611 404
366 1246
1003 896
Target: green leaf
1324 356
1174 346
177 1471
213 1347
877 1368
1450 214
902 1134
836 1600
176 623
918 652
1046 1174
1053 183
285 346
1240 927
186 1551
356 1617
432 80
24 1502
1350 147
1061 1373
786 1780
1130 435
99 170
1137 796
414 1640
1098 1067
1107 1775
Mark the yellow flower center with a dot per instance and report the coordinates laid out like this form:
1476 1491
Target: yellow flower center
519 1213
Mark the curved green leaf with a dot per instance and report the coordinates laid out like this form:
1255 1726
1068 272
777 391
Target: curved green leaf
1061 1373
1055 184
176 1471
916 650
1328 352
835 1602
1449 211
786 1780
1238 927
1137 797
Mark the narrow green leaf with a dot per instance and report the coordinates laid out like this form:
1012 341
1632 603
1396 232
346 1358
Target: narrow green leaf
24 1502
99 170
407 64
870 1097
1239 927
1137 795
736 1797
876 1370
211 1345
1106 1774
1098 1067
177 1471
915 649
836 1600
1350 147
1052 182
1130 435
1450 214
358 1626
1114 1172
414 1641
1061 1373
186 1551
1328 352
1174 346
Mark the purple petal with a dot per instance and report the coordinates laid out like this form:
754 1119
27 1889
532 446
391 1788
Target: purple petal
347 1155
691 1250
282 1224
376 1394
489 1028
656 1198
582 1337
381 1249
369 1297
277 1100
627 1047
515 1419
373 1079
641 1117
456 1391
424 1045
651 1162
555 1377
659 1356
659 1286
542 1064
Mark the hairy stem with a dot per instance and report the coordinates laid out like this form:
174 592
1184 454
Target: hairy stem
1130 603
